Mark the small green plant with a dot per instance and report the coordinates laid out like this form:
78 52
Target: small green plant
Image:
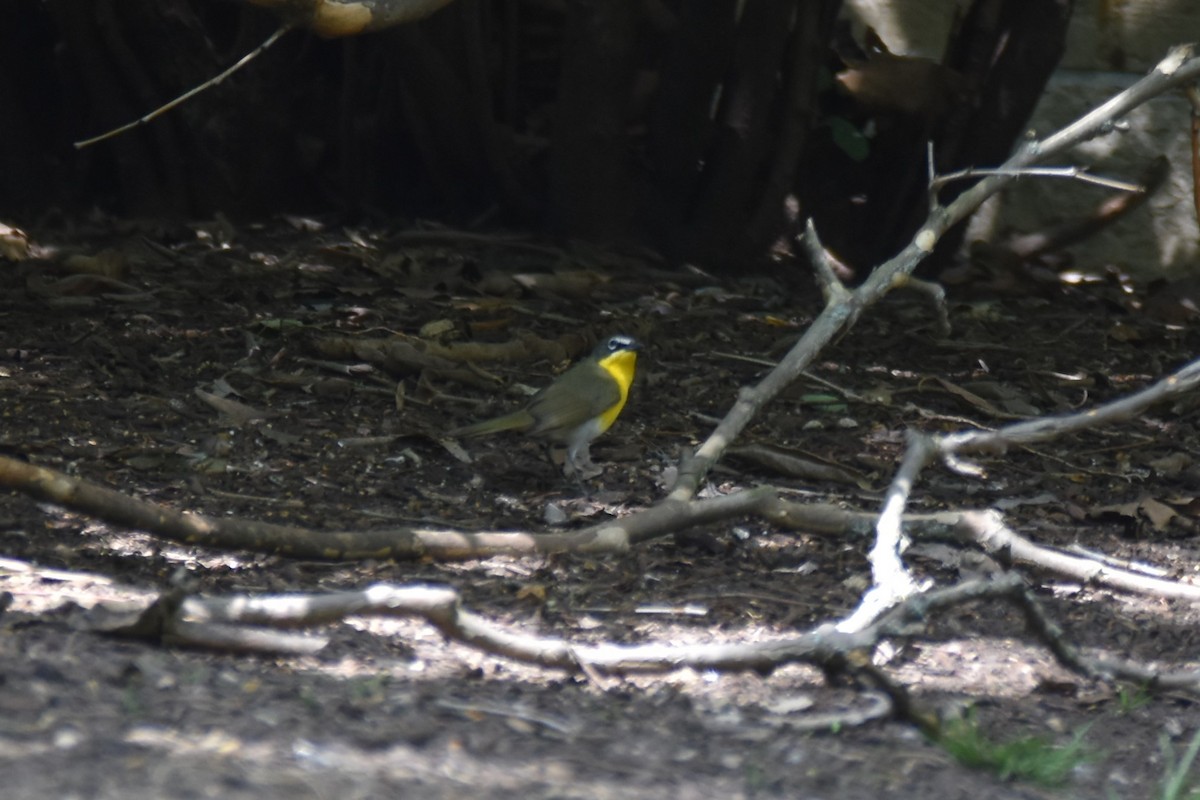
1175 782
132 702
1131 698
1031 758
372 689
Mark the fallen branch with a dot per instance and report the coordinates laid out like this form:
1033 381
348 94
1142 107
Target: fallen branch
892 583
440 606
614 536
833 651
983 528
843 307
950 446
988 530
891 580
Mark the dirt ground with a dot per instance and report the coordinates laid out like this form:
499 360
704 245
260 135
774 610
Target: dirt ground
99 375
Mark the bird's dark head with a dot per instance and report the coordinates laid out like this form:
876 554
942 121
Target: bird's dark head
614 344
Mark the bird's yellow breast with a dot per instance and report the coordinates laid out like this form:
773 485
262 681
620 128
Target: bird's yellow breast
620 365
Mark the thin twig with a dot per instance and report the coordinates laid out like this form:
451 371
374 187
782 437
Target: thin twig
190 93
1073 173
1183 380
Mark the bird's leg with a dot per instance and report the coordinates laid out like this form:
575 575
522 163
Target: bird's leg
579 462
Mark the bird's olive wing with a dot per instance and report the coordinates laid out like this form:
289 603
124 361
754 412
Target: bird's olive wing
583 392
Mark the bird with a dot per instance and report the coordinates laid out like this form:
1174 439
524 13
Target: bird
578 406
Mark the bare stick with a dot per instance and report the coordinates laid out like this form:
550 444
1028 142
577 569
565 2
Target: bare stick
1074 173
824 646
190 93
1183 380
442 544
442 607
891 581
1107 213
987 528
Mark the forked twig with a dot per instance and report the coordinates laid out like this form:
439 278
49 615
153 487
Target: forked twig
843 307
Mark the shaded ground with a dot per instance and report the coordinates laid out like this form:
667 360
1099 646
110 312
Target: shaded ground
100 379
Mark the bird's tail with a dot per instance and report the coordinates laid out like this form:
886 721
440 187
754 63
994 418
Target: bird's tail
516 421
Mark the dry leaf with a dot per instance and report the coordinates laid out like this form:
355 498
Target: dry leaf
108 263
1160 514
535 590
14 243
238 413
436 328
917 87
1170 466
580 283
1173 303
793 465
1157 513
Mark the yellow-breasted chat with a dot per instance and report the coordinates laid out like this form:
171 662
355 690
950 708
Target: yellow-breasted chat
578 406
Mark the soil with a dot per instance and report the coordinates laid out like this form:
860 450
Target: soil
99 377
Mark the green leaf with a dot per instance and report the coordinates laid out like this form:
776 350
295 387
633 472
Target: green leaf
849 139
